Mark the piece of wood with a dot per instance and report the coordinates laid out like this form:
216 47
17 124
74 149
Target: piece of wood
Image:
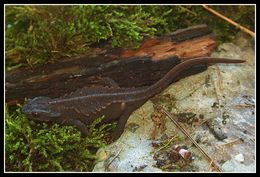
128 68
188 43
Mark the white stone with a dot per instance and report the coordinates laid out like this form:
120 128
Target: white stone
234 166
239 158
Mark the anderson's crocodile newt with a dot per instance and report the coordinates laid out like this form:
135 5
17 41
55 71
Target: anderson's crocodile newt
82 107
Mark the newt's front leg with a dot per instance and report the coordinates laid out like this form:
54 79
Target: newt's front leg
121 125
80 125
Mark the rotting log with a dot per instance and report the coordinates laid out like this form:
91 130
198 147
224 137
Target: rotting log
128 68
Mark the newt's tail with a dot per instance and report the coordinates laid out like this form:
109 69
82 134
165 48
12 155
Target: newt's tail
176 71
205 60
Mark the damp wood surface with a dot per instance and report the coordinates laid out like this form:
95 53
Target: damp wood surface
126 67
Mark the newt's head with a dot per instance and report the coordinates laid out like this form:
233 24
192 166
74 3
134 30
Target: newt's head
39 109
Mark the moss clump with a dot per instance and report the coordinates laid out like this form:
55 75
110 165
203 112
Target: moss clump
36 34
31 146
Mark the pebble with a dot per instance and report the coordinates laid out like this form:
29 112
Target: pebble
239 158
174 156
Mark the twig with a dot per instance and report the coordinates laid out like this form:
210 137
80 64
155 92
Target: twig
166 144
193 141
113 158
244 106
229 20
210 165
229 143
218 91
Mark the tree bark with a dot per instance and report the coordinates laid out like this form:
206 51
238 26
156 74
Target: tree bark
128 68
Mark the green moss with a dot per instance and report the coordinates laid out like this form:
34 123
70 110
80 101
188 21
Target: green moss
36 34
31 146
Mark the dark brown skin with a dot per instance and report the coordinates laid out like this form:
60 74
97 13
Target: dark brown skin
82 107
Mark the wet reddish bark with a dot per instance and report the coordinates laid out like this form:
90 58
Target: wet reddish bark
128 68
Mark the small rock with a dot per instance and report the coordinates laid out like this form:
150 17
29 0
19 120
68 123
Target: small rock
176 148
160 163
156 144
218 133
174 156
133 127
140 168
198 137
201 136
239 158
187 155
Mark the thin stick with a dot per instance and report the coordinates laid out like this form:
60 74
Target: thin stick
210 165
166 144
229 143
193 141
229 20
107 166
